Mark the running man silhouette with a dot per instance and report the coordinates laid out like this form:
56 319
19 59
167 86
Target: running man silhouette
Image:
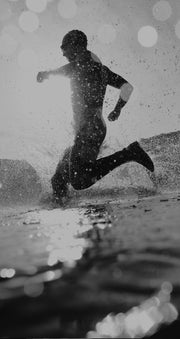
89 80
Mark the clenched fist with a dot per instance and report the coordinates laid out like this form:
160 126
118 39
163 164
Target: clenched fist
42 76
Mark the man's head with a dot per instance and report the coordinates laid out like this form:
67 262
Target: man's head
73 43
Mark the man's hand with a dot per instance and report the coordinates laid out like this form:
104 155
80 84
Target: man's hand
114 115
42 76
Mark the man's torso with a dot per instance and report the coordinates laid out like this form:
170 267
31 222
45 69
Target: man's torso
88 84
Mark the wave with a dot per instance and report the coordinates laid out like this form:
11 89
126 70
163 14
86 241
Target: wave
164 150
19 182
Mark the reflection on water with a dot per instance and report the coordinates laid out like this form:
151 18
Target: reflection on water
139 321
7 273
62 236
78 265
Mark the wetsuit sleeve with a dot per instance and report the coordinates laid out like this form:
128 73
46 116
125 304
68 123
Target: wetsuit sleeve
65 70
113 79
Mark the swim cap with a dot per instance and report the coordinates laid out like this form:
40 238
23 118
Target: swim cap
75 38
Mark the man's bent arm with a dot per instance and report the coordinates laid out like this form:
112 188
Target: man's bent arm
126 88
63 70
125 94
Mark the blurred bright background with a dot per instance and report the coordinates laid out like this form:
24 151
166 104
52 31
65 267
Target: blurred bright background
139 40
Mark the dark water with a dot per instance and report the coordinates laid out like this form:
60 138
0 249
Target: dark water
79 271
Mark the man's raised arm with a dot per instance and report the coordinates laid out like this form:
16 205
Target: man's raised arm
63 70
126 88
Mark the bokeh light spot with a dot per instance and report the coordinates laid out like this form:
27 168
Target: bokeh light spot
177 29
140 321
7 273
13 31
28 21
147 36
8 44
5 10
33 290
106 34
67 8
37 6
162 10
28 60
167 287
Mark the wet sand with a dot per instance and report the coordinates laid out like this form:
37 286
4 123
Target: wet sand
63 271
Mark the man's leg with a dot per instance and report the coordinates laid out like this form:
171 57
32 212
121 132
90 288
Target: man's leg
84 174
60 179
84 154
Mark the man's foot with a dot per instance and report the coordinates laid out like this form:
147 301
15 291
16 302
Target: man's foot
59 201
140 156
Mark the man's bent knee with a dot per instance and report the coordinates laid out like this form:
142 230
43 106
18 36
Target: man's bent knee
77 185
81 181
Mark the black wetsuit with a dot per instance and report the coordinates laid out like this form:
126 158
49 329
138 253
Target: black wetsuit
79 165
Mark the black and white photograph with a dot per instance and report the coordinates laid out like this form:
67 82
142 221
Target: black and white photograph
89 169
